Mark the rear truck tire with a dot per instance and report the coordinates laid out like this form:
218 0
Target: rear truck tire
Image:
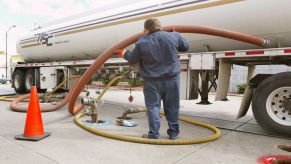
271 104
18 81
29 79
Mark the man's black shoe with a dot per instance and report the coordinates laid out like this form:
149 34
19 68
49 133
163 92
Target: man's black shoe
173 137
146 136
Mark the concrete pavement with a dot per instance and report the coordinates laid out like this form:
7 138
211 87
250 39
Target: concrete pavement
69 144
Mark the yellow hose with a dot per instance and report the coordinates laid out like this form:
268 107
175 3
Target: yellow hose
107 86
61 84
145 140
154 141
8 98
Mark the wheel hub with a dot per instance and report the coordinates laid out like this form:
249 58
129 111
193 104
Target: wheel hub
279 105
286 104
29 81
17 81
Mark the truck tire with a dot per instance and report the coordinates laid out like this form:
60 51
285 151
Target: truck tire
272 104
18 81
29 80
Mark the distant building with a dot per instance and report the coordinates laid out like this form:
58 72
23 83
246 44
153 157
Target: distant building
11 60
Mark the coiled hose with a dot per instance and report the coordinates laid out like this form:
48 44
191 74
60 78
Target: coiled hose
107 54
8 98
154 141
16 108
79 85
179 28
143 140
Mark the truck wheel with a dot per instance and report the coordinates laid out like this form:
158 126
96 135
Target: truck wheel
272 104
18 81
29 80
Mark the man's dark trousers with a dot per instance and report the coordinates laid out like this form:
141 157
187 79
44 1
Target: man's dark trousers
166 90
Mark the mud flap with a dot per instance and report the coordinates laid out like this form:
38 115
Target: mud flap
245 103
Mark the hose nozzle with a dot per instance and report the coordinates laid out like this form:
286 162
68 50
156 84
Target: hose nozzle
265 43
130 111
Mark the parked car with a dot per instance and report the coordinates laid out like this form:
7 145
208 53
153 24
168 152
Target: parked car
4 80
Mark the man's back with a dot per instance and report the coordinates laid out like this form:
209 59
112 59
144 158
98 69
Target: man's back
157 54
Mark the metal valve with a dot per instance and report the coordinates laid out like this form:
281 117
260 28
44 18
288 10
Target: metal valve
130 110
85 101
93 107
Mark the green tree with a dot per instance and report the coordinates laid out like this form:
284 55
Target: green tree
2 52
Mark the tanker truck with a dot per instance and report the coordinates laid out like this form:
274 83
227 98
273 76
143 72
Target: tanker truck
57 50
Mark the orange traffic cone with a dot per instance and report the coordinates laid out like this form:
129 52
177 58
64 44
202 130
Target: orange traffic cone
33 130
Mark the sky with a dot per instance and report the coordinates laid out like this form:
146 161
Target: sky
25 14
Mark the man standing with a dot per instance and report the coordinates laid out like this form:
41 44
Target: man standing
157 55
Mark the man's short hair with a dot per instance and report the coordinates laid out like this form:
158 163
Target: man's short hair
152 24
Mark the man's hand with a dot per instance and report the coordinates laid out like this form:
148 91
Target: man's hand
173 30
119 53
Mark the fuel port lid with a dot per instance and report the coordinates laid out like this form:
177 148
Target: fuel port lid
126 123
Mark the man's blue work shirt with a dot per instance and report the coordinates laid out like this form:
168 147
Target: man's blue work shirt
157 54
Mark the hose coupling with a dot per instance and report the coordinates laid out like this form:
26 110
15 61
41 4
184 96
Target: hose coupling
265 43
130 110
87 101
93 107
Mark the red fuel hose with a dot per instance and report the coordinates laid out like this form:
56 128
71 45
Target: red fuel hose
178 28
50 108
